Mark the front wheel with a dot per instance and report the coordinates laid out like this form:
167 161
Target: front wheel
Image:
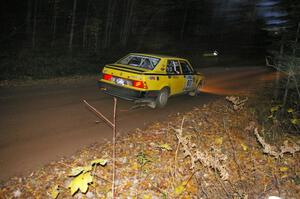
162 98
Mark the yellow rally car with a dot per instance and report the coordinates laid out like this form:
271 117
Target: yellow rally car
150 79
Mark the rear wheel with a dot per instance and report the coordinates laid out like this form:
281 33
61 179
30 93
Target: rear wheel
162 98
196 92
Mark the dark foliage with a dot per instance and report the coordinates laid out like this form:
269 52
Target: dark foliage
42 38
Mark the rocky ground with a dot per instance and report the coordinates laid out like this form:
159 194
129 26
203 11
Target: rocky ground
213 151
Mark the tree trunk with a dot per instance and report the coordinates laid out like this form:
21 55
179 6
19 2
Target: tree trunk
277 81
184 19
72 25
296 84
34 23
296 39
127 22
54 22
96 42
286 90
281 48
86 20
109 23
28 18
276 92
147 26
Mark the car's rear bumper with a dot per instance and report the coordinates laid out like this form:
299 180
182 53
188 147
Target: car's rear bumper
126 93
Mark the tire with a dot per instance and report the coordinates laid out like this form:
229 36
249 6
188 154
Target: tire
197 91
162 98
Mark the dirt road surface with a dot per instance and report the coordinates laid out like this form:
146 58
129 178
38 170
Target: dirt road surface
42 123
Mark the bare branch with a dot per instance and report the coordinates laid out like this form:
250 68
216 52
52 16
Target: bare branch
98 114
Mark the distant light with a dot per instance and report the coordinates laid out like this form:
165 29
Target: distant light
211 54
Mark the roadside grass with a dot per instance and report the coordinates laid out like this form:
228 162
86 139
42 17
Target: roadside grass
212 151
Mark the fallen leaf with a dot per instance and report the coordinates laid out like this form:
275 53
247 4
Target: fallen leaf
284 176
78 170
283 169
135 166
179 189
274 109
80 182
102 162
219 140
295 121
245 147
165 146
147 196
55 192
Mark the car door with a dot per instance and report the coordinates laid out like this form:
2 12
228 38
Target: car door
175 76
188 74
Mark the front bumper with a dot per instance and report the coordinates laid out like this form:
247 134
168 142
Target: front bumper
128 94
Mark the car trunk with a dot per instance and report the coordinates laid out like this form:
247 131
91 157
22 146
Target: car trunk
124 75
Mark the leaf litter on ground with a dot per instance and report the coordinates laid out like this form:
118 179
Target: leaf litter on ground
209 152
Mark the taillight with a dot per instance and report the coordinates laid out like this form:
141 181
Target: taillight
107 77
140 84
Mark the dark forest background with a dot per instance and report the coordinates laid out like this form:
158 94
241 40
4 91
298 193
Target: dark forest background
46 38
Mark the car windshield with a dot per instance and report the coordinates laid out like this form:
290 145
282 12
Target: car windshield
140 61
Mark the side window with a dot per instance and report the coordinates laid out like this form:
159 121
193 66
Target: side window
173 67
186 69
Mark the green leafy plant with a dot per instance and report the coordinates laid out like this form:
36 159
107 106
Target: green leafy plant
142 159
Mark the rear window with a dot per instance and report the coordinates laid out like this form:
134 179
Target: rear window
140 61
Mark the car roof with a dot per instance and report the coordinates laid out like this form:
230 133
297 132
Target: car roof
157 56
